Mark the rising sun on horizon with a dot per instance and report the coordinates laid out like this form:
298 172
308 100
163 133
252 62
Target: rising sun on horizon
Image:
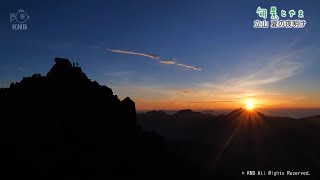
250 105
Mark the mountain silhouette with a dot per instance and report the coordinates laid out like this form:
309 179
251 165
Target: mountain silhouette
158 114
65 125
226 145
189 114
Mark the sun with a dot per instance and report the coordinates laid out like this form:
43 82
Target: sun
250 105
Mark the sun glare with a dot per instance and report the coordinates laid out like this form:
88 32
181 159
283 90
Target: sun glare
250 105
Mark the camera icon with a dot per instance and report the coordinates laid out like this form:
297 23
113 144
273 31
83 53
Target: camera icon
21 16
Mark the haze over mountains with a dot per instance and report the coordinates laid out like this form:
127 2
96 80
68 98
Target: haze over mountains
240 141
65 125
283 112
184 124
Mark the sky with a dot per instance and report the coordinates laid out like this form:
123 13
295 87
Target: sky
171 54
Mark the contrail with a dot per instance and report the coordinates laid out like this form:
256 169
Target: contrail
189 67
152 56
170 62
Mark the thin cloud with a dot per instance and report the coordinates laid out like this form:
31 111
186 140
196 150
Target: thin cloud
169 62
218 101
254 82
172 61
277 69
189 67
152 56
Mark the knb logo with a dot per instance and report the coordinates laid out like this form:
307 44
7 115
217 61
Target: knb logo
21 17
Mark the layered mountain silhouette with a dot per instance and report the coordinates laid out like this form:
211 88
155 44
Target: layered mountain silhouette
242 140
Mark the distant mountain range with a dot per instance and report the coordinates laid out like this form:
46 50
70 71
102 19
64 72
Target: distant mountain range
296 113
226 145
203 127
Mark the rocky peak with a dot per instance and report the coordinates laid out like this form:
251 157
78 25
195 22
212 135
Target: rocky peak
64 69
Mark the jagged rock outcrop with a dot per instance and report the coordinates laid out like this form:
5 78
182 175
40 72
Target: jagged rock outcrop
63 124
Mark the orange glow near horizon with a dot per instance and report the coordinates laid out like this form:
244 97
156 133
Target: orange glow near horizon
198 103
148 105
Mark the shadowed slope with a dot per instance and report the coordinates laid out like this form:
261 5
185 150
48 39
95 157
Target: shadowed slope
64 125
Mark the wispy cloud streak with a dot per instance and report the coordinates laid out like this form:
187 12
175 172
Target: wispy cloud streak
276 69
257 83
172 62
189 67
152 56
169 62
218 101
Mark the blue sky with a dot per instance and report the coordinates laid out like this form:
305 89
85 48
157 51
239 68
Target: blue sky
274 67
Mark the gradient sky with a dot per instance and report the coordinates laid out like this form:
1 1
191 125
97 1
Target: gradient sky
276 68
